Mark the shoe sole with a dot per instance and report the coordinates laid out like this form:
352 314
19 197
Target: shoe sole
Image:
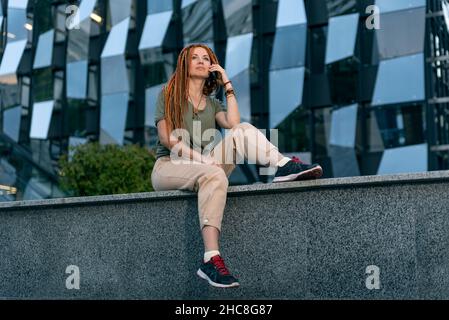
313 173
204 276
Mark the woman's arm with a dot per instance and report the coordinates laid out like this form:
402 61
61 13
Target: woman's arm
230 118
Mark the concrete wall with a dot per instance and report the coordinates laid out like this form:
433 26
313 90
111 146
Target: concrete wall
300 240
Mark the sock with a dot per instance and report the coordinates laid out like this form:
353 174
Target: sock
283 161
210 254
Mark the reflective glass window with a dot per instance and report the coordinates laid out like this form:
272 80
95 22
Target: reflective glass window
114 75
286 55
241 83
75 117
238 16
197 22
238 54
11 122
10 61
341 7
120 10
40 121
343 126
151 95
44 51
401 125
401 33
404 160
85 9
76 79
290 12
185 3
19 4
78 43
400 80
156 6
116 43
43 85
286 88
113 118
154 31
16 24
344 162
342 36
388 5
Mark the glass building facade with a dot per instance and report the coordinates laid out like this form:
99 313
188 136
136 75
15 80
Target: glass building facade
359 86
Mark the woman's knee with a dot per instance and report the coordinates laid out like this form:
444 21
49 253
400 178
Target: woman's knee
243 125
217 176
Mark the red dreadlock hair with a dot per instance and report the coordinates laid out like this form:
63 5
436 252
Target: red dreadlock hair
176 91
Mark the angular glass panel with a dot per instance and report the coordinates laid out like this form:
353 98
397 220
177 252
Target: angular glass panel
10 95
290 12
116 43
76 80
401 33
40 121
388 5
18 4
120 10
44 51
185 3
241 84
343 126
344 162
156 6
286 55
197 20
10 61
238 54
11 122
342 37
78 43
114 75
155 28
404 160
400 80
340 7
113 118
16 24
151 95
238 16
85 9
286 89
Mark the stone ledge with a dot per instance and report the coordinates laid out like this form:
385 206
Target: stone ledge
424 177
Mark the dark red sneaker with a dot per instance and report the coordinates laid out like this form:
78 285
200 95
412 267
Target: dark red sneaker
216 273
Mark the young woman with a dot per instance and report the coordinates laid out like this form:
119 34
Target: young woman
185 104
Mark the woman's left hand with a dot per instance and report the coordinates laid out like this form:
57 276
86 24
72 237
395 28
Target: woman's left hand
218 68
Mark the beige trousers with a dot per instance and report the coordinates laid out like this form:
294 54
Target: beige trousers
211 182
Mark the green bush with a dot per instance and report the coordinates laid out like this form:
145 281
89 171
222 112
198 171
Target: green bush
96 169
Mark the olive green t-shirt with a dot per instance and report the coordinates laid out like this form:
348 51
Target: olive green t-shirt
205 118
